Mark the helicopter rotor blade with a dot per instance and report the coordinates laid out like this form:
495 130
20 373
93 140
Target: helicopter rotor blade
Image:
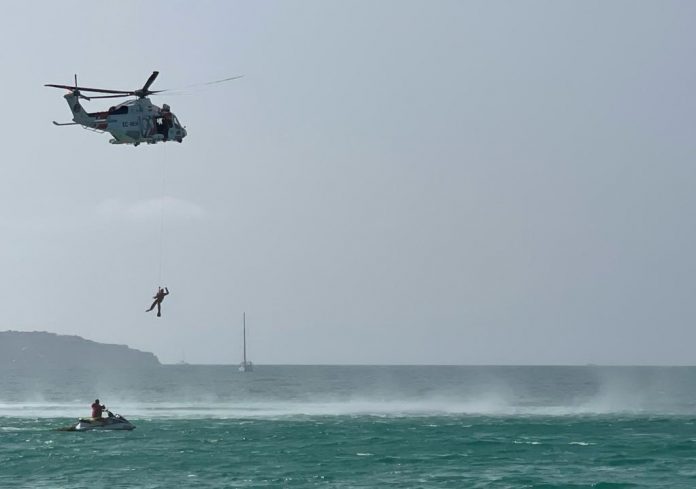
145 91
86 89
215 82
69 87
141 92
112 96
150 81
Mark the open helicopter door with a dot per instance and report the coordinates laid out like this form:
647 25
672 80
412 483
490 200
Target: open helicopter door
164 122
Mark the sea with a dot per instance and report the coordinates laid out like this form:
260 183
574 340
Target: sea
203 426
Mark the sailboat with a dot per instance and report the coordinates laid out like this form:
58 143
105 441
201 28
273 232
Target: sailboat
245 366
183 359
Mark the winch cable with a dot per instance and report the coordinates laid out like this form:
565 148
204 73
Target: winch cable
163 196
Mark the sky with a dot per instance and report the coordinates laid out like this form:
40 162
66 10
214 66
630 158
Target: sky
392 182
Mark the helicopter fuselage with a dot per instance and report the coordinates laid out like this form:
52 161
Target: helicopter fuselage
131 122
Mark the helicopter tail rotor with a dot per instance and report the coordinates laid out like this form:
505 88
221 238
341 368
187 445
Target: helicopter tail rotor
75 89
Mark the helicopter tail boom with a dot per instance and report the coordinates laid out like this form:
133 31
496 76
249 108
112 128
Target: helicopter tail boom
80 116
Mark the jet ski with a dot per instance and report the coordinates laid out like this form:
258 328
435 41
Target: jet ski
111 422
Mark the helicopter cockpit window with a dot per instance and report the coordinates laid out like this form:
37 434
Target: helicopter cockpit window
118 110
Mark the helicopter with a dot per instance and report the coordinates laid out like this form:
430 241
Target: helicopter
132 122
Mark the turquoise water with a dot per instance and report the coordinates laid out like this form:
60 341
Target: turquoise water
355 427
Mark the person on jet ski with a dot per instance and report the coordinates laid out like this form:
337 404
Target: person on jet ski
159 297
97 409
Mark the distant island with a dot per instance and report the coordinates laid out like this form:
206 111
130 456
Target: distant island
38 349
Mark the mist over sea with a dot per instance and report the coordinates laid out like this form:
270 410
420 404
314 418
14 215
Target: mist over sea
353 426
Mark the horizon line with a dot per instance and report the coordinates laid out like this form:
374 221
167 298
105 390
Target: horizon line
433 365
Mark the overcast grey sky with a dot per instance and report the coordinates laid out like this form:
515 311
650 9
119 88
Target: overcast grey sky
391 182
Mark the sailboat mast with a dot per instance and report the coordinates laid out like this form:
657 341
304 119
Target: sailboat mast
244 326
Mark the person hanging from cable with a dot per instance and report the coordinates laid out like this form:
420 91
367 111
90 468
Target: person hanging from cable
159 297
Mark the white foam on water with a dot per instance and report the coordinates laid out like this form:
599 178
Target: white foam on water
630 392
274 409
